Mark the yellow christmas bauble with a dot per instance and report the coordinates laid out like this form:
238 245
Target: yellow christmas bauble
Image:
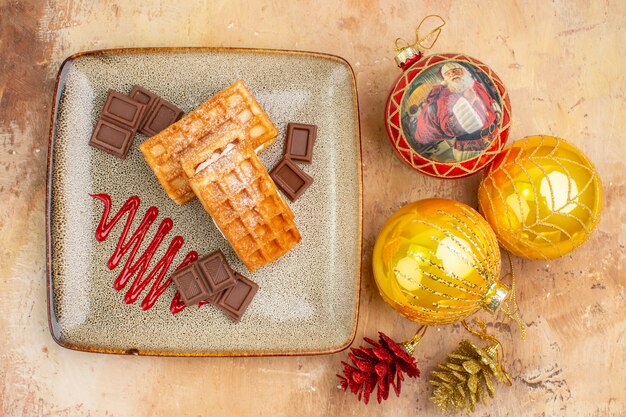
437 261
542 197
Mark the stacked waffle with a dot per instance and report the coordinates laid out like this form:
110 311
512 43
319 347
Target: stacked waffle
211 154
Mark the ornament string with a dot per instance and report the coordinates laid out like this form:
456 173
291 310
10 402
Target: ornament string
510 308
419 43
495 349
410 345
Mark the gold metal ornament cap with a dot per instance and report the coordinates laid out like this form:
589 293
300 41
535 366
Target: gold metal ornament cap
496 295
405 54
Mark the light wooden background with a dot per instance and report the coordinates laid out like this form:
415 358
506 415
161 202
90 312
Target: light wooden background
563 62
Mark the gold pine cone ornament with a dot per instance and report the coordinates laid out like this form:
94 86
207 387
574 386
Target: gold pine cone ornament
469 374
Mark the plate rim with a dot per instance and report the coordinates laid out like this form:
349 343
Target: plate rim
59 82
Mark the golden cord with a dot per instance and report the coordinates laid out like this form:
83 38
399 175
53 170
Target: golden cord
496 348
510 308
409 345
419 41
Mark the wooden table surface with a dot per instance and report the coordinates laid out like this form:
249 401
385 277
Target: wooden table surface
563 64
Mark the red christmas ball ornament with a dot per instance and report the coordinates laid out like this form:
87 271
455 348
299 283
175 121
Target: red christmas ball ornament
447 115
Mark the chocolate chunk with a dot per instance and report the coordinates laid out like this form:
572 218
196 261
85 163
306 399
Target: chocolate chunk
235 300
112 138
217 272
123 110
163 115
144 96
191 284
159 113
300 141
233 292
291 179
215 297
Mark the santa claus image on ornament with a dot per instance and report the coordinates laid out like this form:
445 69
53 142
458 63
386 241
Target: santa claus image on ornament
451 113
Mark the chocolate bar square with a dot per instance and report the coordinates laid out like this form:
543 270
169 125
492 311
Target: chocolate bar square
123 110
112 138
163 115
300 141
191 284
215 297
144 96
235 300
290 178
217 272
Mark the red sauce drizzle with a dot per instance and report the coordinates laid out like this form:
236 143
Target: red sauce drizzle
132 244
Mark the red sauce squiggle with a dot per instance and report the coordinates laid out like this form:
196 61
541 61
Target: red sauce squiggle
140 266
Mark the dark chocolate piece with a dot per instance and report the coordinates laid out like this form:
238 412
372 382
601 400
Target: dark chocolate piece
144 96
123 110
191 284
112 138
290 178
217 272
215 297
300 141
163 115
235 300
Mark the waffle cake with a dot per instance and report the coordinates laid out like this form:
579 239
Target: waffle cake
211 148
234 187
236 104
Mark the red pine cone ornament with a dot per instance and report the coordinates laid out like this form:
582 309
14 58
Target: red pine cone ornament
379 366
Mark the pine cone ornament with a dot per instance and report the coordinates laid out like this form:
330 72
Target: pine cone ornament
464 378
381 365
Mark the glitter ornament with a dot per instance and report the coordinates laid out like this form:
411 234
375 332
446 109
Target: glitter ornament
447 115
469 374
383 365
542 197
437 261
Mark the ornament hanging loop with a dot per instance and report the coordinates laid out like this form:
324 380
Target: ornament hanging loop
410 345
495 350
510 308
409 53
420 42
